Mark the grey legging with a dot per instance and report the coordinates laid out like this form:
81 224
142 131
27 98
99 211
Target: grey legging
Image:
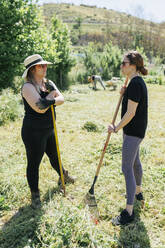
131 165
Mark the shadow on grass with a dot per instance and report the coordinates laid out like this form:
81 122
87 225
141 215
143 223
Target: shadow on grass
134 235
22 229
90 87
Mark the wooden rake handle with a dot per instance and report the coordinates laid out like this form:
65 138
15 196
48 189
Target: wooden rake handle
109 134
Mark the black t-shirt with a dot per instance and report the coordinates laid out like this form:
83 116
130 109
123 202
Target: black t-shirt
137 92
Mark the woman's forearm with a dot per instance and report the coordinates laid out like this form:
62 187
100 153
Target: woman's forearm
59 100
130 113
125 120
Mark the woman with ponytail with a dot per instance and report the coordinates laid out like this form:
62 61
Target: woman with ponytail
134 117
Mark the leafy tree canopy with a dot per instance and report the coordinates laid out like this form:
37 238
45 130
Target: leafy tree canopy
18 20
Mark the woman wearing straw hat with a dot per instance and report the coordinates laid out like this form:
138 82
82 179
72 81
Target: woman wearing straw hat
37 130
134 123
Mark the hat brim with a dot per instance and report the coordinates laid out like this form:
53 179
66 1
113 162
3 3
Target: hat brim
43 62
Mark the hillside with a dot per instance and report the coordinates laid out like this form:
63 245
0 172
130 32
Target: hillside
92 16
102 25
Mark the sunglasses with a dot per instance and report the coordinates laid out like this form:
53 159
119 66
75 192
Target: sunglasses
43 65
124 63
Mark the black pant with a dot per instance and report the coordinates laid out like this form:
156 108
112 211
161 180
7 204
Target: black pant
37 142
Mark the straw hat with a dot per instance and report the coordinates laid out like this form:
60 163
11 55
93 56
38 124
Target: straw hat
32 60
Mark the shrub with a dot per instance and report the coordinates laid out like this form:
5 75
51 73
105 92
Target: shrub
82 78
10 107
159 79
152 72
90 127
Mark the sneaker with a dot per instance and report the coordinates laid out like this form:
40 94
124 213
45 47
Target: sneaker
67 178
123 219
35 200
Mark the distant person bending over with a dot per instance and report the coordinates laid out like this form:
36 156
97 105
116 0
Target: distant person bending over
37 130
134 123
94 79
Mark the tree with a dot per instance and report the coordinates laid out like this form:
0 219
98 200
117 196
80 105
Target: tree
61 39
111 61
91 59
17 24
78 25
106 63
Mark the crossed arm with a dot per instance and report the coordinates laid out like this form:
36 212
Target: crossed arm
39 104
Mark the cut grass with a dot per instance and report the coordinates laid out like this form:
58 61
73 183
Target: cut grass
65 221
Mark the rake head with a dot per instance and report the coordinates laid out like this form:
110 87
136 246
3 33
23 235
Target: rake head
91 202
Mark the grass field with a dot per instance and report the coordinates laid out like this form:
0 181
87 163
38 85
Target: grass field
65 221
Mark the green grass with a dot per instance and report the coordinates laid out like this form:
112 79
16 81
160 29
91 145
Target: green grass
65 221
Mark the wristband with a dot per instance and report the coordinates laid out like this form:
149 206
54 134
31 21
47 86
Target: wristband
44 103
49 86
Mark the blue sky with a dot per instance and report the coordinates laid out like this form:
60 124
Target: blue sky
153 10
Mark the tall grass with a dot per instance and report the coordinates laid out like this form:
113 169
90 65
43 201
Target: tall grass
65 221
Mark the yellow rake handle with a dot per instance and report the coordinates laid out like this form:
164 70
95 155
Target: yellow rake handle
58 151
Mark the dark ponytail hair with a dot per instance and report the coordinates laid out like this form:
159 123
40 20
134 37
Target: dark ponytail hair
136 59
143 71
